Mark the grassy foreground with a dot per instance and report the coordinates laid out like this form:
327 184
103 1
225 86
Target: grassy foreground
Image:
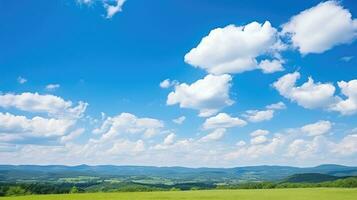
273 194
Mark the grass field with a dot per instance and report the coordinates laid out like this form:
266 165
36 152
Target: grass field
273 194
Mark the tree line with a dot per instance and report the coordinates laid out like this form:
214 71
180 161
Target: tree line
340 183
16 189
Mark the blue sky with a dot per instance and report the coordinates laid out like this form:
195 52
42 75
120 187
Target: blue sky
83 82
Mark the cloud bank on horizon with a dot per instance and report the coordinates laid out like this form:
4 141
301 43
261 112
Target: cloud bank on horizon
42 127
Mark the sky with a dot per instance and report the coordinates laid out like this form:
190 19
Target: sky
178 83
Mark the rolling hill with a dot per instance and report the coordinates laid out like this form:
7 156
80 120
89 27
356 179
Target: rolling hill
251 173
311 178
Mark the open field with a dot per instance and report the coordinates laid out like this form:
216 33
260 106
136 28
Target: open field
274 194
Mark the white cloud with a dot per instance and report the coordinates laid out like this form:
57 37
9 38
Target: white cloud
169 139
259 115
102 115
276 106
347 58
264 115
304 149
289 147
208 95
259 148
241 143
168 83
214 135
298 146
349 105
179 120
322 27
259 132
50 104
125 123
165 83
258 140
36 126
319 95
169 142
308 95
7 138
347 146
271 66
72 135
85 1
125 147
62 118
223 120
319 128
234 49
52 87
21 80
113 9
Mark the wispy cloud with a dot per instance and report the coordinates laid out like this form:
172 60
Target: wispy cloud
52 87
21 80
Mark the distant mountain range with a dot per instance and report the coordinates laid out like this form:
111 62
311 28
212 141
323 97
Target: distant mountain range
251 173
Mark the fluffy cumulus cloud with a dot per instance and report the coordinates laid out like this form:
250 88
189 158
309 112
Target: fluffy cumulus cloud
124 136
260 145
318 128
309 94
259 137
112 9
347 147
320 28
259 132
179 120
208 95
259 115
319 95
223 120
234 49
56 121
292 146
169 139
72 135
126 123
259 148
347 106
288 146
165 83
264 115
308 149
127 147
169 142
36 126
214 135
50 104
258 140
276 106
271 66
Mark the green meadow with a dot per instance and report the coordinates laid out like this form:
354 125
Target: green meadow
274 194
